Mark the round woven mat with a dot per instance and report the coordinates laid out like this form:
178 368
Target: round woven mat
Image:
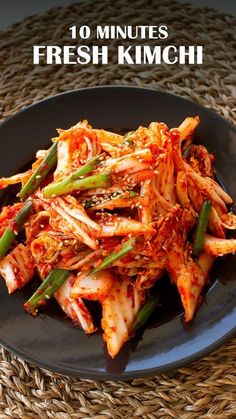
207 388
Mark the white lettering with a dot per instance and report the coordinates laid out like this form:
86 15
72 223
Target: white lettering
68 54
166 54
163 32
53 55
37 54
84 32
186 52
102 32
199 54
103 53
73 30
152 56
83 54
124 56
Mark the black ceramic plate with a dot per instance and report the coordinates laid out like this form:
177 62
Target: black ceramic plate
51 341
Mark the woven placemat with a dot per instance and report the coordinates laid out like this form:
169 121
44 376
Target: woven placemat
207 388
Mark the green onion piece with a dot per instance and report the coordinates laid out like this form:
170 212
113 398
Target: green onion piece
125 248
100 180
187 150
40 173
86 168
6 241
63 184
44 292
145 313
89 203
11 231
201 228
132 194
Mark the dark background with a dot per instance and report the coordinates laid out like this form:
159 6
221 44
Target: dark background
12 11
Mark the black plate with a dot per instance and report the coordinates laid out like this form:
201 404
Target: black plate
53 342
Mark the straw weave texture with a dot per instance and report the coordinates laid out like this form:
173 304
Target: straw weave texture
207 388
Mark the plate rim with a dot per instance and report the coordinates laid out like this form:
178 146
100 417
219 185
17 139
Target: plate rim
125 375
117 87
141 373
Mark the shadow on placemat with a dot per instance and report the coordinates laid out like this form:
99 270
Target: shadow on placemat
207 388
